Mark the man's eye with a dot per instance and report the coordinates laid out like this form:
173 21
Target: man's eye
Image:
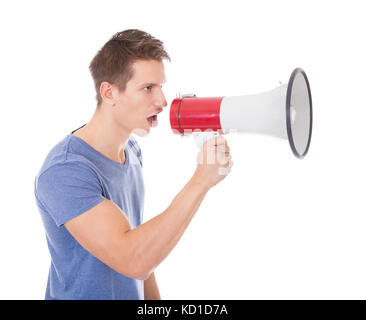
148 88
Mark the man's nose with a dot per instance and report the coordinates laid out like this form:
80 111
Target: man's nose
165 102
161 101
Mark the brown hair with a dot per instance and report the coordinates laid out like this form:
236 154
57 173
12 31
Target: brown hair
113 62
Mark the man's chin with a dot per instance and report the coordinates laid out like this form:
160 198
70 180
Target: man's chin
141 132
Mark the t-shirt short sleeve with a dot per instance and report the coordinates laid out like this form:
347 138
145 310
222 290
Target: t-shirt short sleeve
68 189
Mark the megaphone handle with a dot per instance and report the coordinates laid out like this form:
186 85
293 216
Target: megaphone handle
201 137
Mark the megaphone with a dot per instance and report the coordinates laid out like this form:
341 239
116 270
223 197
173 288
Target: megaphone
285 112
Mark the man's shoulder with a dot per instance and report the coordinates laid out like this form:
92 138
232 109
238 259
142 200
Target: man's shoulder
59 158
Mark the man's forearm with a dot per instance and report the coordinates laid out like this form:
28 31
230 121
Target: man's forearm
151 242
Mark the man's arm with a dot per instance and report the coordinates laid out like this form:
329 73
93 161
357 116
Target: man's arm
105 231
151 289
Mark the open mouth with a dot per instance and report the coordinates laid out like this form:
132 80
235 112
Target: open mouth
153 121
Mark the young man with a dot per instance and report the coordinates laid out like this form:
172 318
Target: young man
90 189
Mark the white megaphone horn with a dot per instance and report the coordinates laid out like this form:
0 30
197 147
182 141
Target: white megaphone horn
285 112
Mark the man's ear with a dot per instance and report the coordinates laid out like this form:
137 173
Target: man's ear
107 92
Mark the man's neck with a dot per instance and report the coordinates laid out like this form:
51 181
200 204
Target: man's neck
102 133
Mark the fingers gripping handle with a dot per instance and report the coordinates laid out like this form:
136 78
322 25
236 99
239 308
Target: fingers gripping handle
201 137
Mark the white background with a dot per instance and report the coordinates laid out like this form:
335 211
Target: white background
276 227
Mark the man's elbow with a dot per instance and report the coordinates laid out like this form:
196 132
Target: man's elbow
136 273
144 276
134 267
141 269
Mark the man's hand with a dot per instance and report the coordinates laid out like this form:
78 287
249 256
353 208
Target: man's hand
213 161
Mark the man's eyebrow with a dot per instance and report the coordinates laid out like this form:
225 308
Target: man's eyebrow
152 84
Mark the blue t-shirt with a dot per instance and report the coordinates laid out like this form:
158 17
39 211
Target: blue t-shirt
74 178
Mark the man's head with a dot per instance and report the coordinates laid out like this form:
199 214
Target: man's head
128 73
